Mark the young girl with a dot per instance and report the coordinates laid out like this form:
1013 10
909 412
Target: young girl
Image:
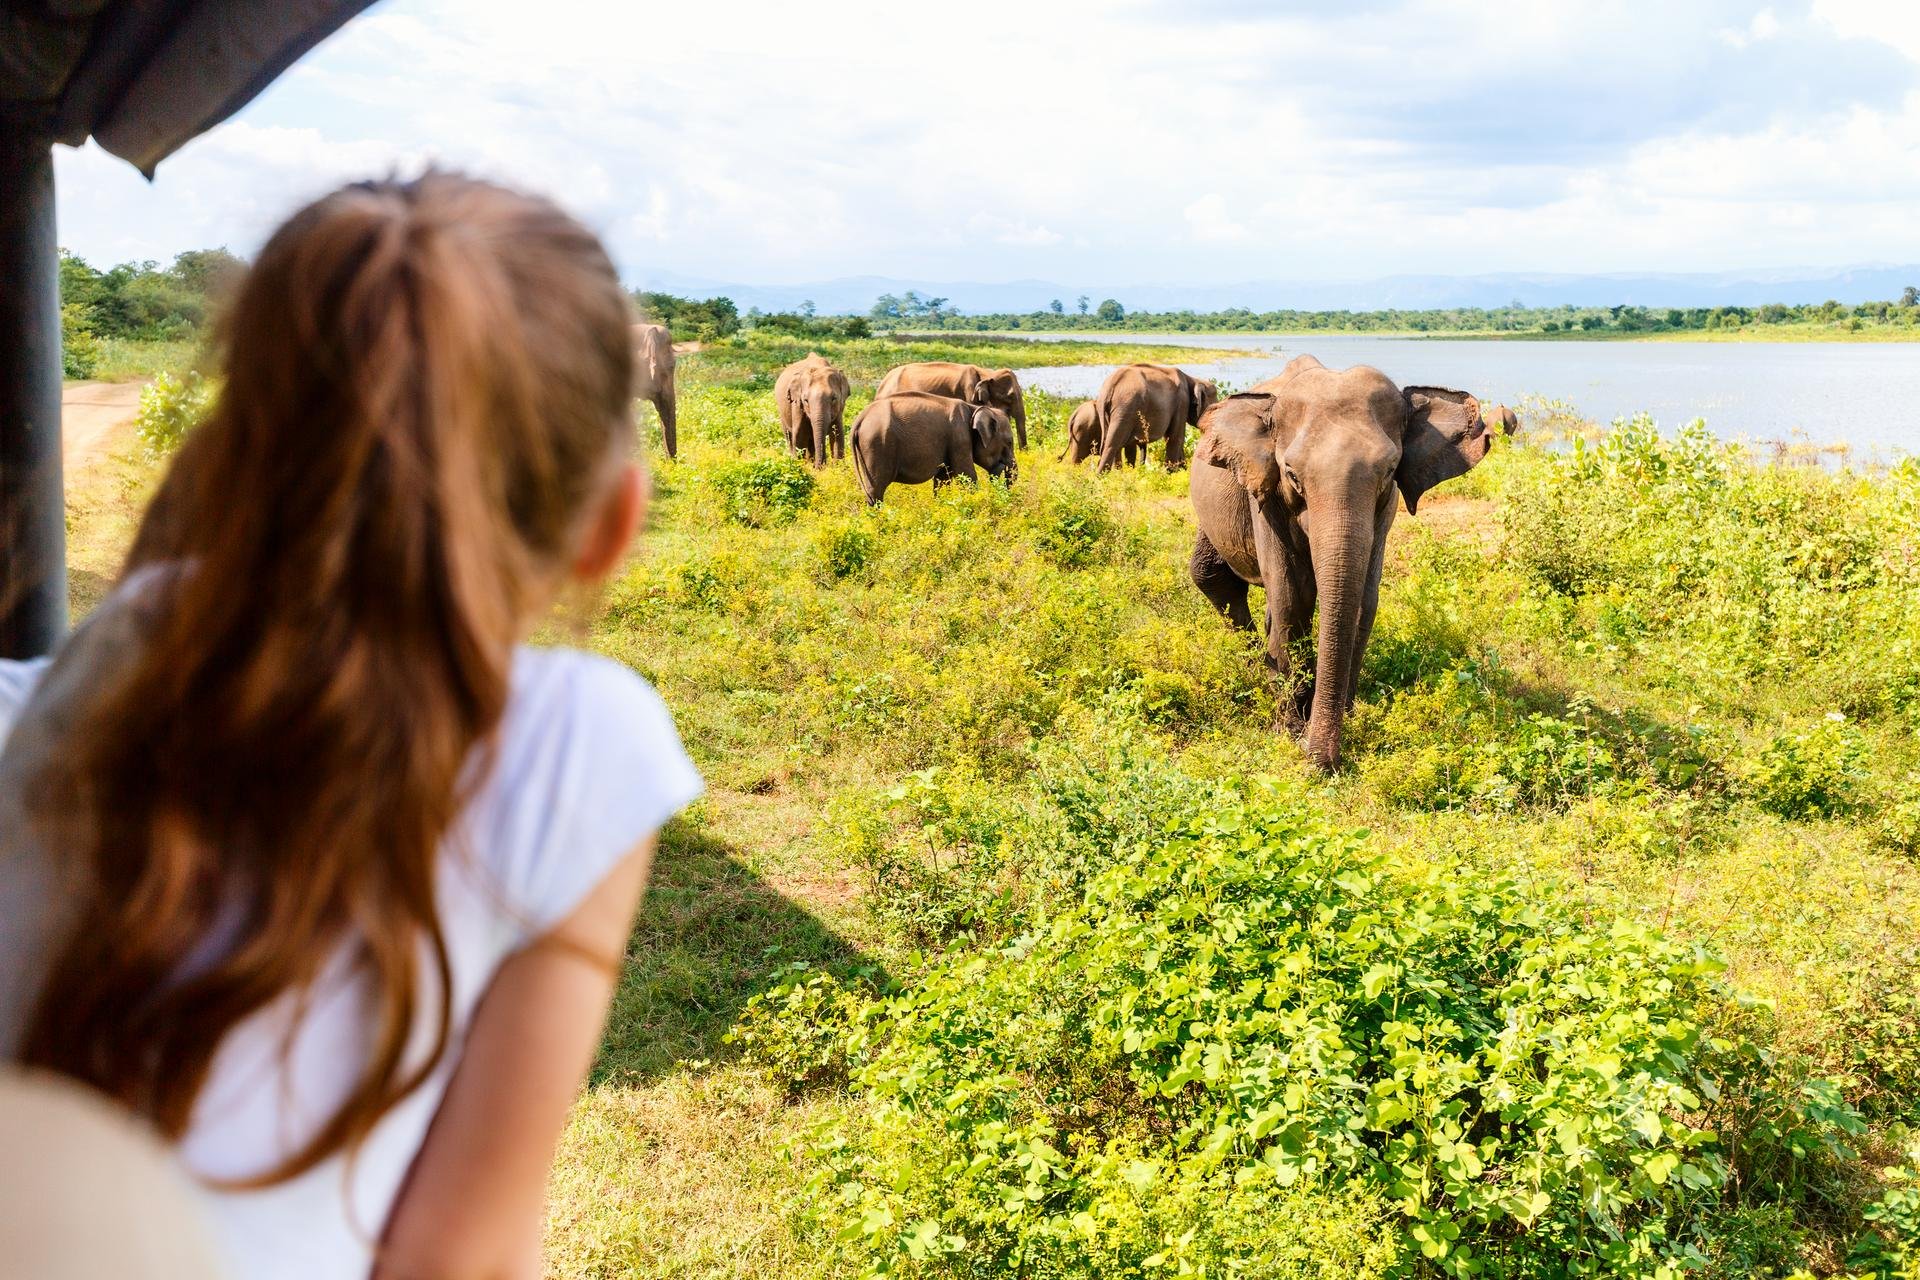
303 857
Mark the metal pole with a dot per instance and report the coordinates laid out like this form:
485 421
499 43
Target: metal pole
33 535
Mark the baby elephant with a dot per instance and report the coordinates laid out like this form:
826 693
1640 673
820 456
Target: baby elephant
916 436
1083 433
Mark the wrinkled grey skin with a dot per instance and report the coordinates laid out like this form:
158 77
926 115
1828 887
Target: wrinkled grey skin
997 387
1083 434
1294 487
914 436
1142 403
653 375
811 396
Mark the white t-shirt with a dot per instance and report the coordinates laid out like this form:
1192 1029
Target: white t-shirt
587 764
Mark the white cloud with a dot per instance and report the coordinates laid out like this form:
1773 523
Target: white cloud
1082 139
1208 219
1763 27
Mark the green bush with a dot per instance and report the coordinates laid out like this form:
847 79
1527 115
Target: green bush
79 347
764 492
1890 1247
171 406
1076 529
1249 998
1816 774
845 548
796 1031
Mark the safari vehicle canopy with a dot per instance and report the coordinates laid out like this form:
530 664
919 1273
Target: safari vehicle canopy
141 78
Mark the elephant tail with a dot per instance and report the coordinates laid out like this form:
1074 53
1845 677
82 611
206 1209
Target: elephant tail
859 463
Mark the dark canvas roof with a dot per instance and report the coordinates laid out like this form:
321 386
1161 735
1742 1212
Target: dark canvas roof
142 77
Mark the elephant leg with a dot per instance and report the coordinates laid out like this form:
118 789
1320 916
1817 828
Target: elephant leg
1289 583
1370 599
840 440
1176 445
1219 584
1122 424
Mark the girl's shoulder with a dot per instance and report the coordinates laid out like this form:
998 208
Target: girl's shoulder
586 765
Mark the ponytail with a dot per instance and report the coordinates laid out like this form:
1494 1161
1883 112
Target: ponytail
426 386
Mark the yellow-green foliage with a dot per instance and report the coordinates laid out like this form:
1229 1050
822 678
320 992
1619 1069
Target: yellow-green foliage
1638 700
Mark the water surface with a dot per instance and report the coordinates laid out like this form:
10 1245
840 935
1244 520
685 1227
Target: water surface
1863 394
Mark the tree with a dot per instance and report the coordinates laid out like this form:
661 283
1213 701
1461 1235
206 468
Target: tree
936 307
211 272
1110 311
885 307
1910 296
1082 303
1059 310
806 307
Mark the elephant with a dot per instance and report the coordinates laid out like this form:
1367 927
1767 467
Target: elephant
1083 433
999 387
912 437
1141 403
812 398
1293 488
653 375
1503 418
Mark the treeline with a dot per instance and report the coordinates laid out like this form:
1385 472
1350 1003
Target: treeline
890 313
138 302
709 319
144 300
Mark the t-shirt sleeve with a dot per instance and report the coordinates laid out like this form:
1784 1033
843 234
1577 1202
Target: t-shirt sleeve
589 764
17 683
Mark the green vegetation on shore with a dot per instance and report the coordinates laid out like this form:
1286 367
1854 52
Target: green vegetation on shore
1775 322
1012 940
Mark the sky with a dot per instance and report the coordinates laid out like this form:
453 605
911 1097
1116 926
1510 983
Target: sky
1121 141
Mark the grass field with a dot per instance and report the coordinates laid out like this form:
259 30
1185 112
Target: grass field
1011 939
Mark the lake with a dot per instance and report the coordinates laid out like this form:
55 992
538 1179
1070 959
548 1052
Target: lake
1863 394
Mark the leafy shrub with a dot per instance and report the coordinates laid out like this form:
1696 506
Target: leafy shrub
845 548
80 350
1076 528
1899 826
1812 774
1250 996
764 492
795 1032
170 407
1890 1247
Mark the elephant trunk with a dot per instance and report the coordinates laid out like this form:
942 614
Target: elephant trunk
820 417
1019 416
1340 560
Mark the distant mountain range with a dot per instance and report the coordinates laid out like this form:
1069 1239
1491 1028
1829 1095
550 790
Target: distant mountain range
853 295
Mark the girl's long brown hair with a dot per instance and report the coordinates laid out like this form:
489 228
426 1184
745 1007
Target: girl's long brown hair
427 388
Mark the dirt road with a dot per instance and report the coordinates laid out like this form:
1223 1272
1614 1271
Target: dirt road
96 418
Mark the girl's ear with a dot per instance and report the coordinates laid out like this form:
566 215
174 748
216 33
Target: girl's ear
610 529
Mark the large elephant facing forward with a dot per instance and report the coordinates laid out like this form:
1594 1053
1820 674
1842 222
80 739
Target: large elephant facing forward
1142 403
1293 487
811 396
653 376
997 387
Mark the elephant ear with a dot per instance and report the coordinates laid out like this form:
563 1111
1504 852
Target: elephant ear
1444 438
1240 430
1201 395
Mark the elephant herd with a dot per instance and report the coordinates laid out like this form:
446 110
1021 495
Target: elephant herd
1294 483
